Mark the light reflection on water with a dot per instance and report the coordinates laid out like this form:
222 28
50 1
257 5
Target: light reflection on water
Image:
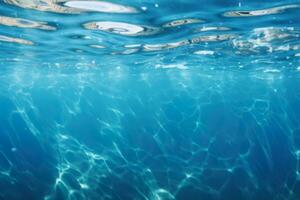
113 27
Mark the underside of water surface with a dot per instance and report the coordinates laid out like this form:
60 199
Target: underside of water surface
149 100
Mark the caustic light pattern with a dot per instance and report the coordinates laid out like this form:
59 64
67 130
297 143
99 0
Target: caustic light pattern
149 100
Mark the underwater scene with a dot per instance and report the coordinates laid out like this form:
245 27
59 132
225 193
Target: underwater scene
149 100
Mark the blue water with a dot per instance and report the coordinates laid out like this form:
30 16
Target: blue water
149 100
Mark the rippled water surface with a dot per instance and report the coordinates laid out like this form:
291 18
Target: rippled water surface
149 100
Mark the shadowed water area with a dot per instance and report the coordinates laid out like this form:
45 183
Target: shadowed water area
149 100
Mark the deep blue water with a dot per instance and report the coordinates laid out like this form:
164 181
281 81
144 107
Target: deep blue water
149 100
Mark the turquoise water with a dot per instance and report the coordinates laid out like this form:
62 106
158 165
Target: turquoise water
149 100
